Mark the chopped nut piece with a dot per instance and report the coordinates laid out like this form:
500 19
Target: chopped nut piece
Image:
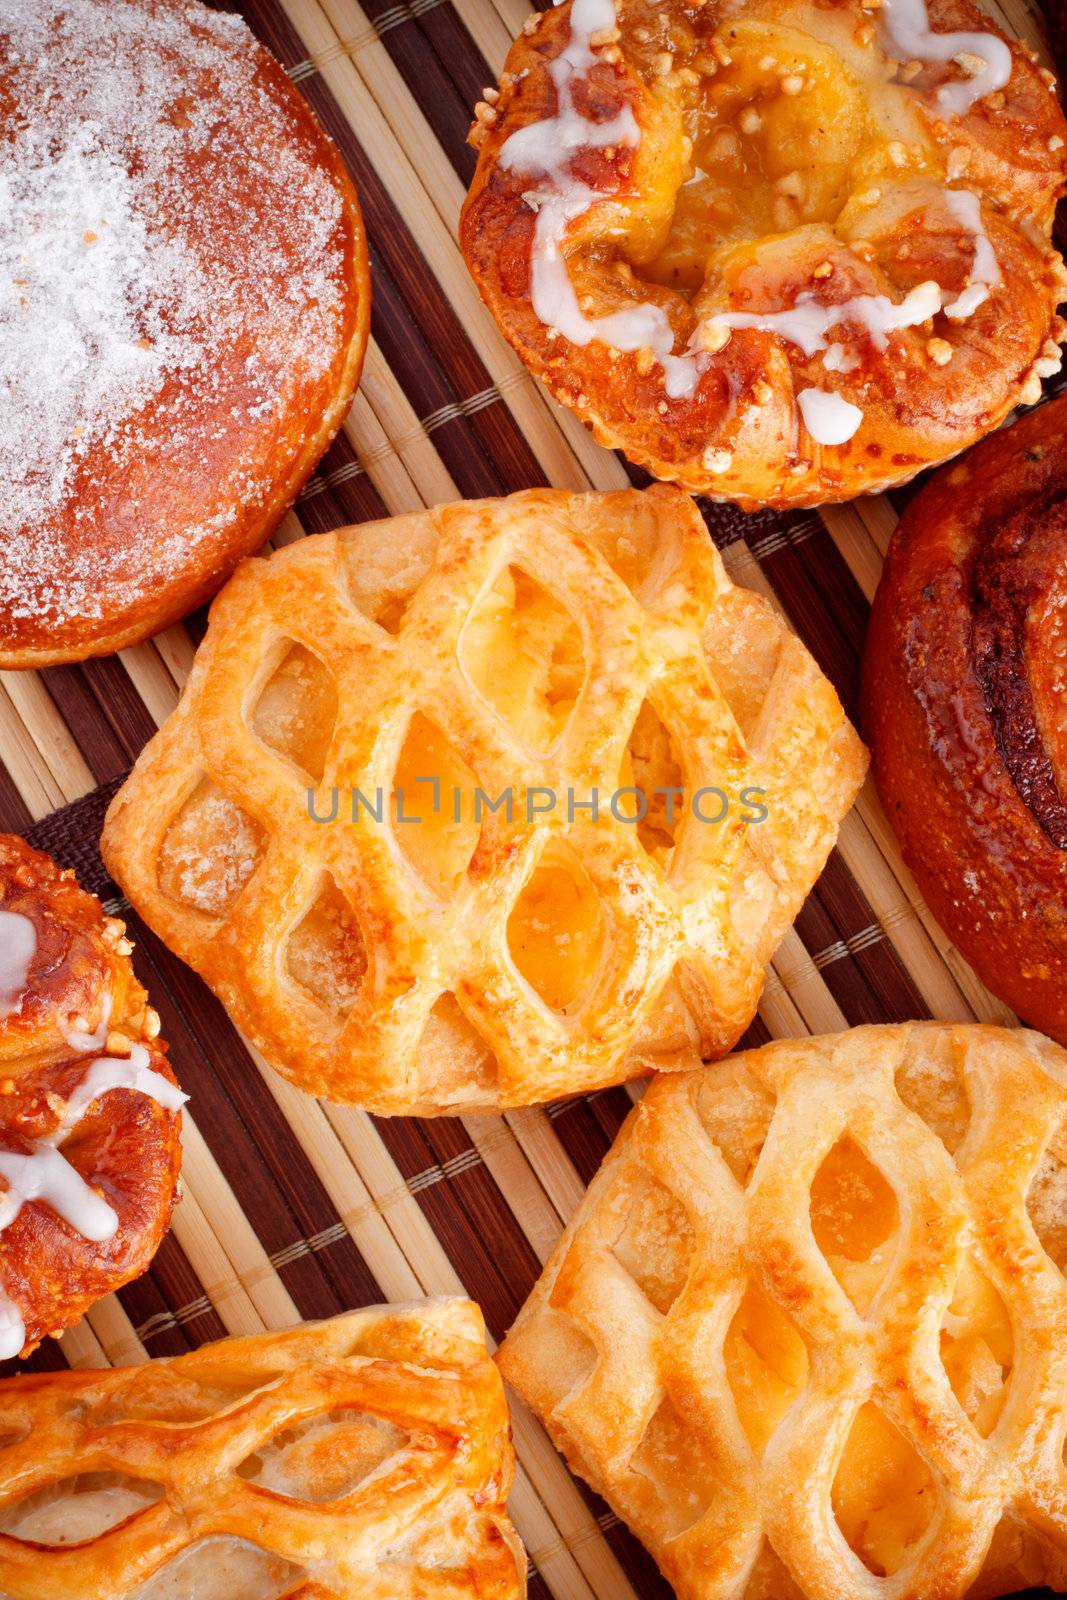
939 351
718 460
750 120
823 270
712 337
792 85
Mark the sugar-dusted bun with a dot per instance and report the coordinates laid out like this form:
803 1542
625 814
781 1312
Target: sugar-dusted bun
183 313
825 261
966 707
89 1109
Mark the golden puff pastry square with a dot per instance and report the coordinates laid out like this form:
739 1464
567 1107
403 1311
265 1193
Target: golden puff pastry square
368 1456
807 1332
487 668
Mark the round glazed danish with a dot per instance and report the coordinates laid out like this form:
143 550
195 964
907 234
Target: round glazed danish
779 251
89 1123
183 313
966 707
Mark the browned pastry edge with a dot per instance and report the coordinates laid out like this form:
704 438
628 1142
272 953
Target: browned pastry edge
959 754
127 1146
301 443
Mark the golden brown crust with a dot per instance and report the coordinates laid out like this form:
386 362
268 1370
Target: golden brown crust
870 219
126 1147
805 1331
364 1458
966 710
622 655
273 304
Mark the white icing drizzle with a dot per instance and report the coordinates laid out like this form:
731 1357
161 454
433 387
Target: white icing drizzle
828 418
18 946
44 1174
985 268
544 150
808 323
910 38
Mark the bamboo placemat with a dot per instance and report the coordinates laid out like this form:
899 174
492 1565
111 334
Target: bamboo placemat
295 1208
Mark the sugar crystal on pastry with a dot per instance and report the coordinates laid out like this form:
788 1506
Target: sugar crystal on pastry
179 256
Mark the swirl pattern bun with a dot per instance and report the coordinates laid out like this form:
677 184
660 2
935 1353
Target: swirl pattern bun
183 313
966 707
777 251
89 1123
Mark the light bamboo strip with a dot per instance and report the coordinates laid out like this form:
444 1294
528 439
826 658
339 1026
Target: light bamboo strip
115 1333
223 1248
516 1176
427 194
26 767
60 756
81 1347
401 426
423 1253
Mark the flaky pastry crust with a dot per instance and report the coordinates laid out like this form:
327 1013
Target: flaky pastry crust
240 235
965 702
549 647
764 155
365 1458
125 1145
805 1332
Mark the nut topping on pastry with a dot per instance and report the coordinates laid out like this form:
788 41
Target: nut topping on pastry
779 252
89 1123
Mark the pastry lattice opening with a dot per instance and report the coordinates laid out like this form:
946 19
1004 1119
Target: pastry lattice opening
522 651
556 930
766 1364
433 807
210 851
854 1217
78 1509
221 1568
326 953
460 1056
656 1242
325 1457
780 135
978 1348
297 709
652 764
1046 1202
883 1495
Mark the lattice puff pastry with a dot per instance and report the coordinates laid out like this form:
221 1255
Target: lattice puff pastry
364 1457
545 646
807 1332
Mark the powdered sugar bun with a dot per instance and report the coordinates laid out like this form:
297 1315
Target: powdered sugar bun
184 300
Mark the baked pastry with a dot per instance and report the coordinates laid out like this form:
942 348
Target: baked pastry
365 1458
965 701
183 313
805 1332
369 824
779 251
89 1109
